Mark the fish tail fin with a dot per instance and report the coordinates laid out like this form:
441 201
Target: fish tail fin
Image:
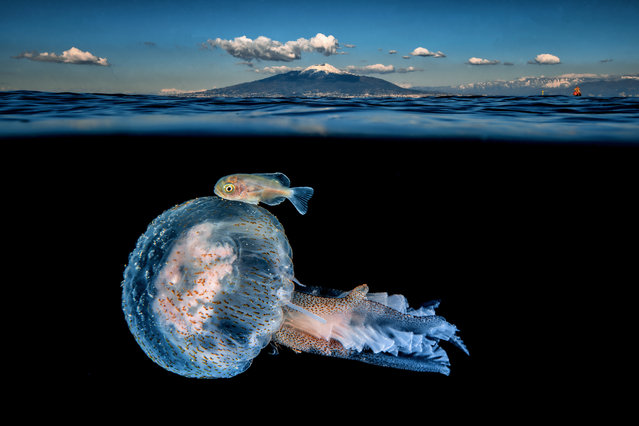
300 196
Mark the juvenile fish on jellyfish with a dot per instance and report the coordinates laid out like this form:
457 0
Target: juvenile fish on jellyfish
211 283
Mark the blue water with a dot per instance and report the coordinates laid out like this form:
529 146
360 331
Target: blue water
549 118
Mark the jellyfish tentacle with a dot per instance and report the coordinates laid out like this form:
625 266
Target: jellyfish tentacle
296 281
433 326
457 341
401 363
360 329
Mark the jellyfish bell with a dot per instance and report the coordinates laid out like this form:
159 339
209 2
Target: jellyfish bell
204 288
211 283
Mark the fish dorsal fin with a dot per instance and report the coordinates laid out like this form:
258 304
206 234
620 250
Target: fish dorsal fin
280 177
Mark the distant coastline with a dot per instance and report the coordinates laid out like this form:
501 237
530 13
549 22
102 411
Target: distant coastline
326 81
314 95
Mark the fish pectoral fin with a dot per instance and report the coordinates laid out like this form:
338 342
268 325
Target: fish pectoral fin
274 201
280 177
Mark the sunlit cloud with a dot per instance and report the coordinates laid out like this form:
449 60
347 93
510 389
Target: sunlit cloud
71 56
371 69
264 48
380 69
409 69
421 51
545 59
480 61
582 75
392 52
277 69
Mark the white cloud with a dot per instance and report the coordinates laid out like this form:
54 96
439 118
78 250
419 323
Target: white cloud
277 69
350 46
320 43
545 59
557 83
582 75
71 56
408 69
392 52
371 69
480 61
380 69
272 50
421 51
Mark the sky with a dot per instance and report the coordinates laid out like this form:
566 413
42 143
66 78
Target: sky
169 46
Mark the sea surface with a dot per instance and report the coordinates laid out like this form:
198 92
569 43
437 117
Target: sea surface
531 118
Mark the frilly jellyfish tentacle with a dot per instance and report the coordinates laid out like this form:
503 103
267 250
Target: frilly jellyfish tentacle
427 324
359 328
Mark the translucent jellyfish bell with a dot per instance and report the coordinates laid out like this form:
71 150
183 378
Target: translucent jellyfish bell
204 288
210 284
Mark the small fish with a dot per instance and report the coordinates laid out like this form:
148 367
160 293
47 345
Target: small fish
268 188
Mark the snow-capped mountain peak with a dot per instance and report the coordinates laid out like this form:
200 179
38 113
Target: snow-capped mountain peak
326 68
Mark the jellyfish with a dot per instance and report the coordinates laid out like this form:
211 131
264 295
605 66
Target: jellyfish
211 283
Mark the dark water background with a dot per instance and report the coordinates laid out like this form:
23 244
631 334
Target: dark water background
519 214
550 118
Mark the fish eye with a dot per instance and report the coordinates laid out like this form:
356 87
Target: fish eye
228 188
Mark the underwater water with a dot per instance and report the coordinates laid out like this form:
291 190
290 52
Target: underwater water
517 214
549 118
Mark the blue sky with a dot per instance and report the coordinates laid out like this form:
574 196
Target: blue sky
147 46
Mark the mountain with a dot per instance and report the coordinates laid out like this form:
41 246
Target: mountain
314 81
590 85
326 80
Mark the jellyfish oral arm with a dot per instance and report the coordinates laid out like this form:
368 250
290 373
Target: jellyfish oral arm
357 328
